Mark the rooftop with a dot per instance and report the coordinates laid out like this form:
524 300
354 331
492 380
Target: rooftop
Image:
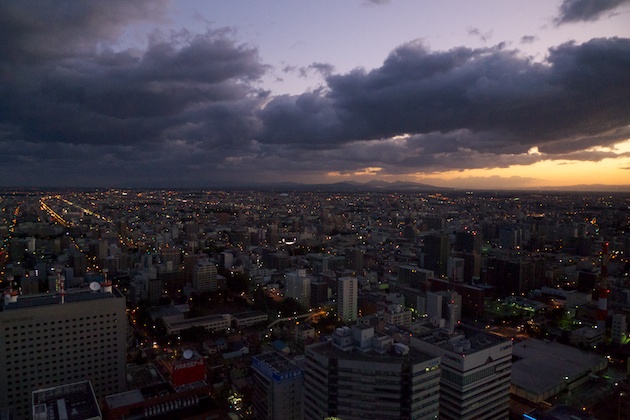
66 402
248 314
464 340
47 299
540 366
276 366
327 349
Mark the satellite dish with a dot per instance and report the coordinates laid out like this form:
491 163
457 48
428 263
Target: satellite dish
95 286
188 354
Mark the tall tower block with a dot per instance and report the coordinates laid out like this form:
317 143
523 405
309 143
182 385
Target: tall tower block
602 302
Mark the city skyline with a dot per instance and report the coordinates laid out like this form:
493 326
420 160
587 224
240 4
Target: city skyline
184 93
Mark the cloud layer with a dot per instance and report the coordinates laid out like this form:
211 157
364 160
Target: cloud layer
586 10
189 110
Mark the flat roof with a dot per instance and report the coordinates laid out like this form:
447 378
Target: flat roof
198 320
47 299
249 314
276 366
142 376
478 339
327 349
66 402
124 399
540 366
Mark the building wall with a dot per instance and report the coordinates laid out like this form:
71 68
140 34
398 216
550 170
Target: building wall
51 345
205 276
475 383
277 395
347 299
355 388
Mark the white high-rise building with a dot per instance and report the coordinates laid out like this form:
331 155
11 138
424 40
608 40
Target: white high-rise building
347 306
476 370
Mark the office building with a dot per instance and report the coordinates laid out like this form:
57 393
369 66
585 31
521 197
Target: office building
435 253
55 339
347 289
413 276
297 285
363 375
205 276
278 388
476 370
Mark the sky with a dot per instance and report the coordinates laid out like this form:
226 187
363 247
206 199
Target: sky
208 93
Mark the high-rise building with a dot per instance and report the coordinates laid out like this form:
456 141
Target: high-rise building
362 375
347 292
205 276
354 259
278 388
414 276
435 253
476 368
455 269
298 286
55 339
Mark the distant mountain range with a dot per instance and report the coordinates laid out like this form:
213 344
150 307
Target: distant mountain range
401 186
351 186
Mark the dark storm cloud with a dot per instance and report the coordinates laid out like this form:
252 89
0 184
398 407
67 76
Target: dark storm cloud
580 93
127 98
585 10
39 30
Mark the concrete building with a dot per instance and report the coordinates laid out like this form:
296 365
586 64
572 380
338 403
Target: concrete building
219 322
249 318
205 276
363 375
347 299
544 369
588 337
55 339
298 286
70 402
278 388
413 276
618 333
476 370
395 314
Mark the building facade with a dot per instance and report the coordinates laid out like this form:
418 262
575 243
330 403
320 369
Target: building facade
476 369
54 339
205 276
278 388
347 299
361 375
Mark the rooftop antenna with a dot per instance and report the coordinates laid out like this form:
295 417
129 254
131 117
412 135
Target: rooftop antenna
107 285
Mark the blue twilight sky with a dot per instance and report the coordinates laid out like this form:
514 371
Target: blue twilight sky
198 93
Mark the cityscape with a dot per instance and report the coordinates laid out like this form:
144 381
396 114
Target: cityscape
340 210
313 304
